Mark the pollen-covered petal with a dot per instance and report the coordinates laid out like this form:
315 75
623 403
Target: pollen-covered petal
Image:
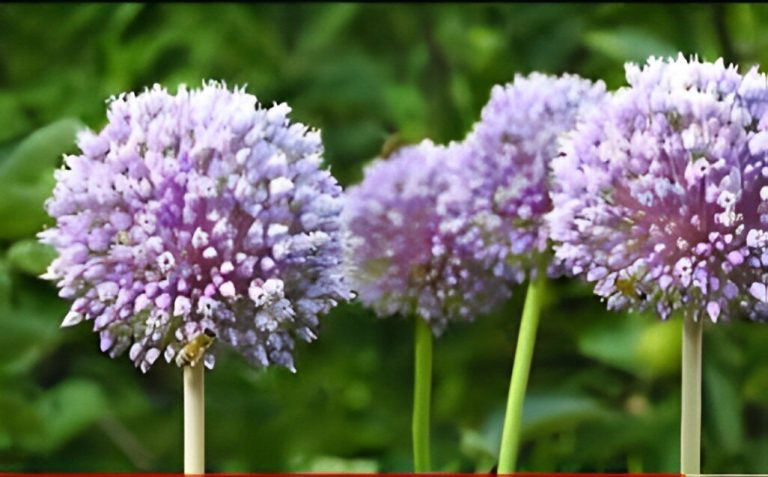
71 319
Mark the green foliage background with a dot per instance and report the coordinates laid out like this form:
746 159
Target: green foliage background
604 390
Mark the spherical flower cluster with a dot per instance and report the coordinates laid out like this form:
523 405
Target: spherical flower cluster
402 236
662 197
507 167
197 212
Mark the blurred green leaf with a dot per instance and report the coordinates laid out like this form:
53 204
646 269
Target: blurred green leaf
121 19
479 448
5 287
551 412
658 350
20 422
24 340
30 326
68 409
628 44
461 94
30 256
326 27
21 210
39 152
723 406
408 110
20 331
338 465
13 120
485 43
755 454
756 385
613 341
26 177
635 343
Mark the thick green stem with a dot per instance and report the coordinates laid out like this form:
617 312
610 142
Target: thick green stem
194 419
690 419
526 339
421 395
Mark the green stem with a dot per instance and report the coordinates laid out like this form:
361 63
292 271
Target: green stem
421 395
690 419
510 437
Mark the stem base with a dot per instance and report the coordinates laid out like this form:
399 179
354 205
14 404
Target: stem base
422 388
690 418
194 419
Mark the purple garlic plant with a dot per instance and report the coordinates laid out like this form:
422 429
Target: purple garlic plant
403 250
507 167
405 254
661 197
197 212
661 200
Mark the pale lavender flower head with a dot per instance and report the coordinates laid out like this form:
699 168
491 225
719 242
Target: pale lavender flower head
192 212
661 198
402 239
507 164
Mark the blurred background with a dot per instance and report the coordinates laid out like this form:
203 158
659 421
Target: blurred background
604 390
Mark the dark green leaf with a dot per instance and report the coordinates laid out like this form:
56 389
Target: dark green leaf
552 412
30 256
627 44
40 152
68 409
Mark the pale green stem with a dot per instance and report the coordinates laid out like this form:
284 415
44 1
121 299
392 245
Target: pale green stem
526 339
422 385
194 419
690 420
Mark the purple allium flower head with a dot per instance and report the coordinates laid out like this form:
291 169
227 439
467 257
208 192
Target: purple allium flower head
661 198
508 162
402 239
199 211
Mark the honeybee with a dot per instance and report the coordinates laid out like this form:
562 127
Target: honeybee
191 353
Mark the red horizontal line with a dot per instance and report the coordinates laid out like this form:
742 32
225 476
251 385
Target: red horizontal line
325 474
